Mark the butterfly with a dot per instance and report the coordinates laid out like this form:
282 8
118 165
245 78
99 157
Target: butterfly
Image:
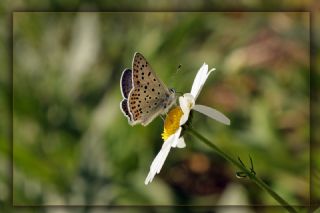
144 95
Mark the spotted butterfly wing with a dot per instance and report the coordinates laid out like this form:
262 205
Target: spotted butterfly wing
149 97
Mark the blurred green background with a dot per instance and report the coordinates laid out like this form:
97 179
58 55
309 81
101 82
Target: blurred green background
73 146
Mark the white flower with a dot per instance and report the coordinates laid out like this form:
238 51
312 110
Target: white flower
171 137
178 116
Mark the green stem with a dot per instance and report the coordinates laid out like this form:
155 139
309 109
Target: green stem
255 179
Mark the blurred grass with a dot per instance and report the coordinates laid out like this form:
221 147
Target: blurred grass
61 128
73 146
315 94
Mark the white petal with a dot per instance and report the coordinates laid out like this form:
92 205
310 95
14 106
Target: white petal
176 137
159 160
200 79
186 103
157 163
149 177
162 159
197 80
184 118
181 143
212 113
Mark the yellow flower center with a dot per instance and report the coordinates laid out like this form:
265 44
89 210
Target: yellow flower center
172 122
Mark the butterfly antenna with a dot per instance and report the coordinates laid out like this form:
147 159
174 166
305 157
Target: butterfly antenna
174 76
179 68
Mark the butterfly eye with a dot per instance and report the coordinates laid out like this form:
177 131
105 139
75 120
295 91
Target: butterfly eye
172 90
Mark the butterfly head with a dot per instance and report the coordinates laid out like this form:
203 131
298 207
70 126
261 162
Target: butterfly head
171 99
